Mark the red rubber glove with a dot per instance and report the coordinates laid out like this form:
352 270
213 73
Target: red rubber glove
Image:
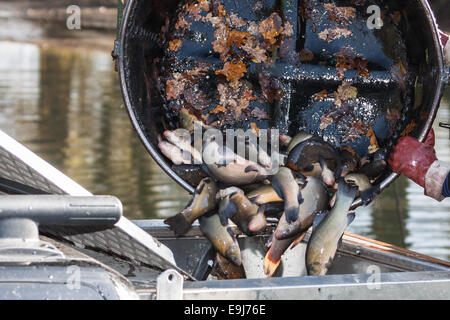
445 47
412 158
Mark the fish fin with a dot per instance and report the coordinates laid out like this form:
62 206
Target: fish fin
319 217
291 214
270 267
299 240
178 224
251 168
300 198
200 188
226 211
230 232
340 241
350 218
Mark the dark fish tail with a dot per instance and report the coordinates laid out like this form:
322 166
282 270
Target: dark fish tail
178 224
291 213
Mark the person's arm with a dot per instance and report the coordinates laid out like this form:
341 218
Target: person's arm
418 162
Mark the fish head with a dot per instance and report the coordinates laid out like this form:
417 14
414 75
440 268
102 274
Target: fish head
233 253
257 223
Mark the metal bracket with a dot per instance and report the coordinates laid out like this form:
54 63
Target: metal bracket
169 286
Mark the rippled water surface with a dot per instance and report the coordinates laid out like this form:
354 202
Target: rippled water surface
64 103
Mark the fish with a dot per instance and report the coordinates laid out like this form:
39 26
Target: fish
374 164
366 191
203 201
306 156
273 209
227 210
316 198
223 269
255 151
263 195
374 168
286 187
175 154
328 229
299 138
349 161
285 140
228 167
188 121
248 216
184 143
221 237
277 248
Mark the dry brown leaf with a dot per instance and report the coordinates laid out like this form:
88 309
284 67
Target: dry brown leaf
218 109
347 59
373 147
175 45
237 38
398 72
259 114
182 23
233 70
174 89
345 92
271 28
325 121
236 21
341 15
220 45
204 4
321 95
255 128
330 35
194 9
288 29
257 54
356 130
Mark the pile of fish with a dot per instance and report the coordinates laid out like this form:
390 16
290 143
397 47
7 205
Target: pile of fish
315 186
307 182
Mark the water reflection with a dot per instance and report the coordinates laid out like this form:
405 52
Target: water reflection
65 104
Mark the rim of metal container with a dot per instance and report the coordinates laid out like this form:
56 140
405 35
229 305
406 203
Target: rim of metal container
167 168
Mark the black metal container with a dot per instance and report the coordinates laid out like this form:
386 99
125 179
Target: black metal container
139 44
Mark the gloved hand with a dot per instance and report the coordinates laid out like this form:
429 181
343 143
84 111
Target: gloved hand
412 158
445 47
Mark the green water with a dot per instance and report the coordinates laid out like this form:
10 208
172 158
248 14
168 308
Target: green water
64 103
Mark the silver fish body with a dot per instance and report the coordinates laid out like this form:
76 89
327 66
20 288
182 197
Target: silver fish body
227 167
323 244
221 237
287 188
203 201
315 197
